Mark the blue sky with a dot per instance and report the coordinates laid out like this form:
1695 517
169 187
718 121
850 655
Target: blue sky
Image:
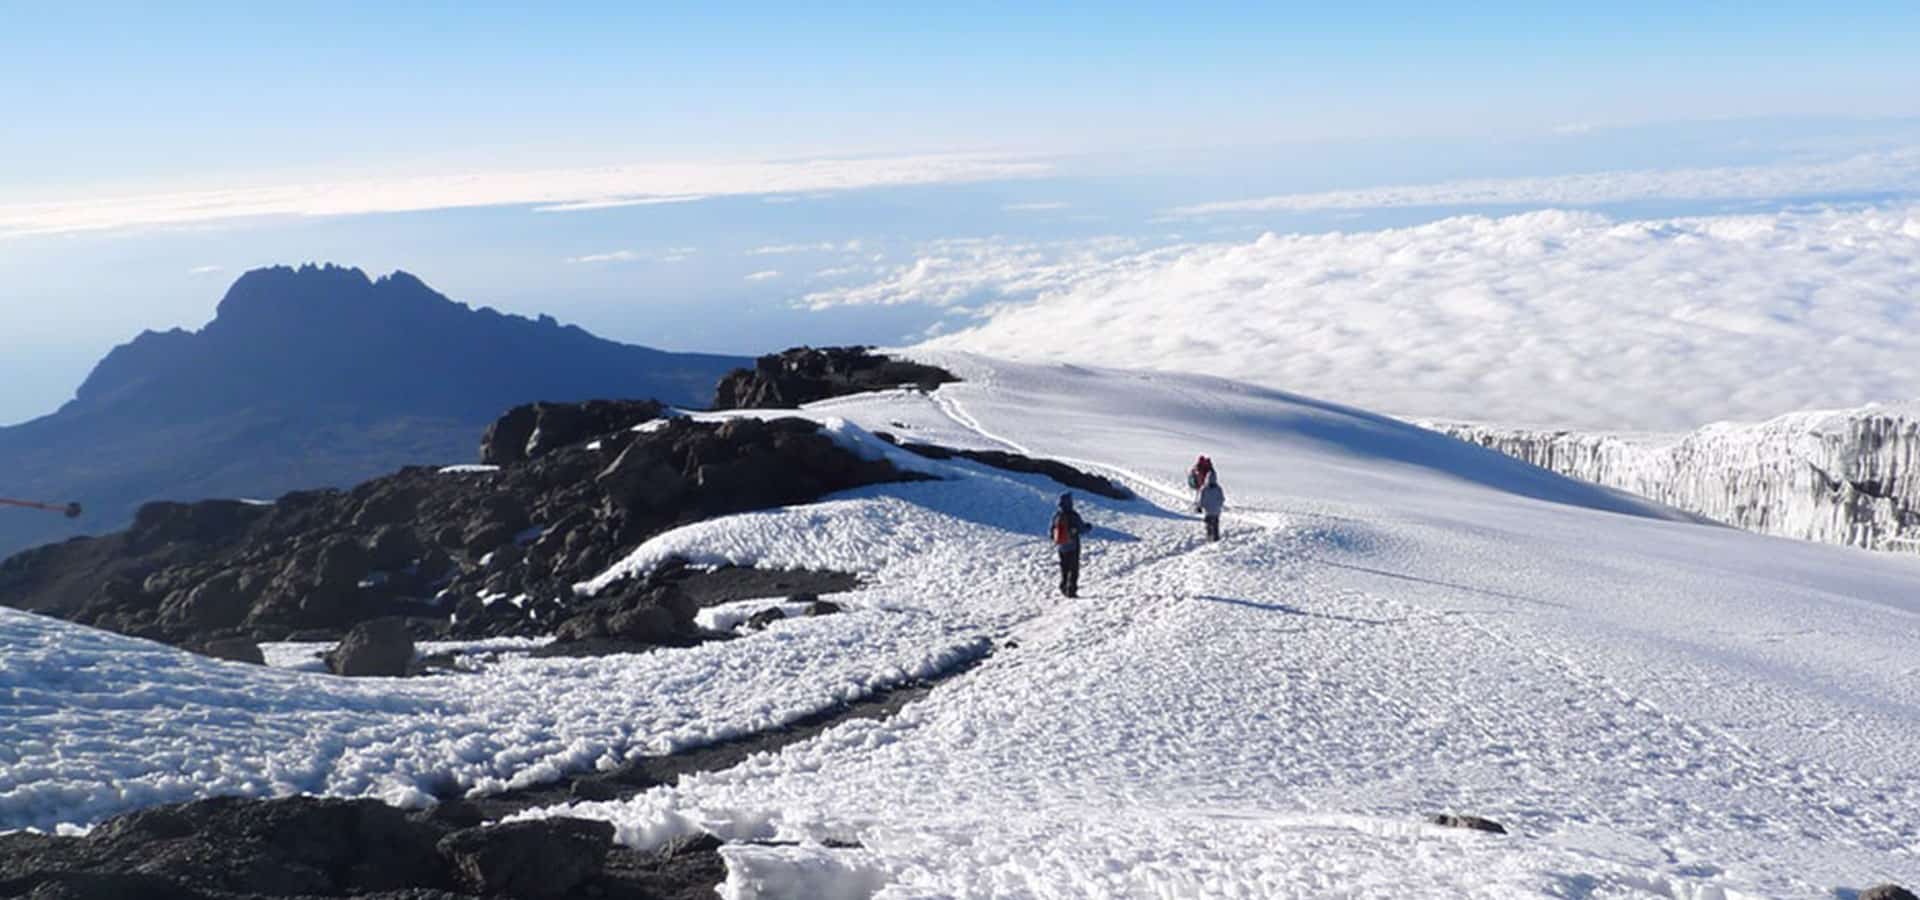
105 94
1076 124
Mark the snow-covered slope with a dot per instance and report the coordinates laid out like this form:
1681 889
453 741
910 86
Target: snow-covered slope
1395 625
1844 477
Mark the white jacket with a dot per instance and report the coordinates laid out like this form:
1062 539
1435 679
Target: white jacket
1212 498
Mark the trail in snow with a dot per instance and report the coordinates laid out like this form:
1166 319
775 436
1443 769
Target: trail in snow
1273 714
1394 625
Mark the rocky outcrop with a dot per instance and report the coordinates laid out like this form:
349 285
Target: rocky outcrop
381 648
1849 477
1066 475
1887 892
1471 823
465 552
534 859
235 650
802 375
806 606
531 431
228 848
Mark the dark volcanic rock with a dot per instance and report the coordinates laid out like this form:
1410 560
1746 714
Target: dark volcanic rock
1014 462
1474 823
92 886
819 607
530 431
1887 892
284 847
235 649
464 554
302 847
804 374
541 858
760 620
382 647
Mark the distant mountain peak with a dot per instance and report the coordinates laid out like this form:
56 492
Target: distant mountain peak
279 297
315 375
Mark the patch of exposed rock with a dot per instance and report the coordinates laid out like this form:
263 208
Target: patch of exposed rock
373 649
1887 892
803 375
535 429
459 553
1013 462
1471 823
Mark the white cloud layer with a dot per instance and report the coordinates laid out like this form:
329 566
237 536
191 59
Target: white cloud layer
560 190
966 270
1894 171
1555 318
668 255
764 275
822 247
616 256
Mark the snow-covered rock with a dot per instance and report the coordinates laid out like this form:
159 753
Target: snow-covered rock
1843 477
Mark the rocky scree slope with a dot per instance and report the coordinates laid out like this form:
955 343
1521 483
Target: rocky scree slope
309 377
1850 477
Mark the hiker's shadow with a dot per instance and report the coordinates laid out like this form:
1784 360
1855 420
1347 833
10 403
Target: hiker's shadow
1111 535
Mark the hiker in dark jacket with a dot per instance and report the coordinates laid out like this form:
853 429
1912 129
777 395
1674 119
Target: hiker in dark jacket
1197 479
1066 529
1212 501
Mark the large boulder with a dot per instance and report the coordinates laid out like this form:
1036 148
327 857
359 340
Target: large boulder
536 429
235 650
379 648
342 562
1471 823
538 858
218 602
640 477
208 521
803 375
1887 892
297 846
505 441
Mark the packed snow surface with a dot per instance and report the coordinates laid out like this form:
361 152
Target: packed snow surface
1395 625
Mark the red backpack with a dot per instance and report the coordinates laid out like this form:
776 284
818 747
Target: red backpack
1062 529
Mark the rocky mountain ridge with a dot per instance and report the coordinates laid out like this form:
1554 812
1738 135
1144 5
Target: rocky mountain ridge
310 377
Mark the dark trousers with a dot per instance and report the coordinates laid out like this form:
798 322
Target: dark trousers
1070 570
1213 528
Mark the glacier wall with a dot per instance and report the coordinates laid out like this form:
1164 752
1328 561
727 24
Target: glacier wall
1844 477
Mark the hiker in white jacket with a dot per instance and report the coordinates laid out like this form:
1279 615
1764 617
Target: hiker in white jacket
1212 501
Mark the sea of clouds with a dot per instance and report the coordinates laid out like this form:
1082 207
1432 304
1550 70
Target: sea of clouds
1542 318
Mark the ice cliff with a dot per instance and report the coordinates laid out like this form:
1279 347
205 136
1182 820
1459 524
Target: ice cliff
1842 476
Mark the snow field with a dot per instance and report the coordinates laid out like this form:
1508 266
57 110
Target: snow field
183 726
1385 633
1395 625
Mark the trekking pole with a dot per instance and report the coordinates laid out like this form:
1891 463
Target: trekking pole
70 510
